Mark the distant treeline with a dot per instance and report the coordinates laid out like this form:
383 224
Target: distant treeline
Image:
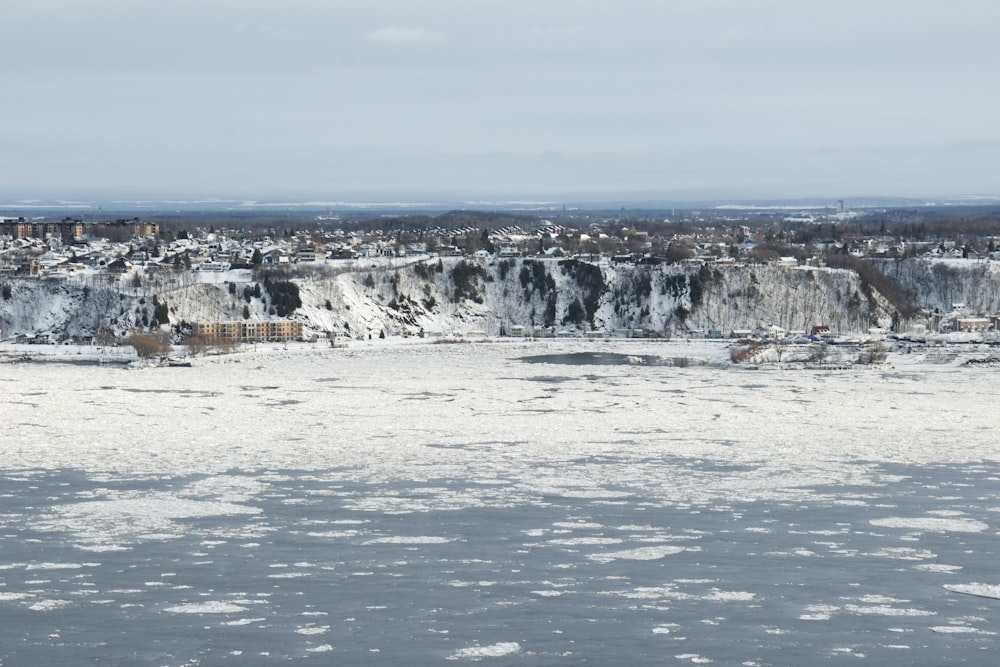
966 225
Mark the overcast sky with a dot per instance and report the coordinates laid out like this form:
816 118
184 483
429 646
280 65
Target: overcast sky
511 99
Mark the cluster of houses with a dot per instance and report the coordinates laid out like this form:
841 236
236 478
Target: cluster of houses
69 229
39 247
959 320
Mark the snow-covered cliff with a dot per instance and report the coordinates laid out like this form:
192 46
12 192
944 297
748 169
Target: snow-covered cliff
940 283
495 296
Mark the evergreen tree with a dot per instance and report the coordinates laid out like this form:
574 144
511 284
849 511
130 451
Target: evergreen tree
161 314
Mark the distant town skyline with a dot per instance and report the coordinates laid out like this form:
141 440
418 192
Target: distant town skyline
559 100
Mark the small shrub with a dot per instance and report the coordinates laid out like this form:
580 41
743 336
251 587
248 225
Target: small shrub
740 353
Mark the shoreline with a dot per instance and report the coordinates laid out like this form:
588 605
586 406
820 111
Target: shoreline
677 352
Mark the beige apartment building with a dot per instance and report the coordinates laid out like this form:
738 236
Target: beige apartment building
250 331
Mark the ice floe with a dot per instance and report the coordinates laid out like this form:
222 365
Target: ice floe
210 607
979 590
933 524
497 650
959 630
639 553
322 648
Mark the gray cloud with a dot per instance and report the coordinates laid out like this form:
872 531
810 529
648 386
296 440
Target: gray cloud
324 98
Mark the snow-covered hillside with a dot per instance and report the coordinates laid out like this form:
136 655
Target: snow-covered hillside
494 296
940 283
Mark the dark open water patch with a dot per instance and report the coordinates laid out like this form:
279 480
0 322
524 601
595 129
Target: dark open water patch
320 568
136 390
599 359
114 362
550 379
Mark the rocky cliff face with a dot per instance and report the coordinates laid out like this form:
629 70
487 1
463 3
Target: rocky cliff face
496 296
938 284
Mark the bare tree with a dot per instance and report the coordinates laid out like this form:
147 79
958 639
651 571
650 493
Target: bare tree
150 345
105 337
818 352
197 344
873 353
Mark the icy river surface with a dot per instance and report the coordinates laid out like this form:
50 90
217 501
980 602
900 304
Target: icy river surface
519 503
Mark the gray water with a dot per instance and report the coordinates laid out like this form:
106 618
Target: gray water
313 571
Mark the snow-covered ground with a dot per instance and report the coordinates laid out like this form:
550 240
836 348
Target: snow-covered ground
390 406
516 501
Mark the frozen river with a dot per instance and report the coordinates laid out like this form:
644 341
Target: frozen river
560 503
